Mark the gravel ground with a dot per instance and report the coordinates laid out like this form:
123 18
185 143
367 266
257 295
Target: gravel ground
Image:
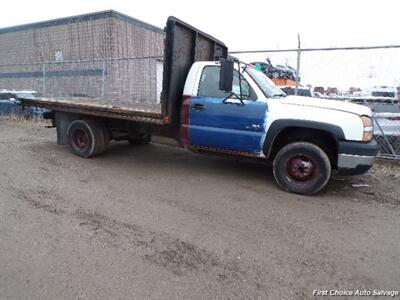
156 222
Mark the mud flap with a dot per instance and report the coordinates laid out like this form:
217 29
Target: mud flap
62 120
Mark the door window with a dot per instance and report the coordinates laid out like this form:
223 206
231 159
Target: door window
209 85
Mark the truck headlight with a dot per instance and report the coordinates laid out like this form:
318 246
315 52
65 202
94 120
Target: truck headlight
368 125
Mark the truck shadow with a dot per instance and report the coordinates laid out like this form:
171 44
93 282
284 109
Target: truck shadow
248 174
168 160
163 157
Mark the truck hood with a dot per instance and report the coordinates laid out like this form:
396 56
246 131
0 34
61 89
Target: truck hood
327 104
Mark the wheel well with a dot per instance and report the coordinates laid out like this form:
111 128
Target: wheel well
116 129
323 139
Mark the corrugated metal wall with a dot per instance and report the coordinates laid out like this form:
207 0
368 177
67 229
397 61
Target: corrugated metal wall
109 57
84 40
134 76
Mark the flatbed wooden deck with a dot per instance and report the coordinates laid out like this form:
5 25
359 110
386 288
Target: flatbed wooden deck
101 108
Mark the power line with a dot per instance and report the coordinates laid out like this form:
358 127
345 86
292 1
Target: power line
316 49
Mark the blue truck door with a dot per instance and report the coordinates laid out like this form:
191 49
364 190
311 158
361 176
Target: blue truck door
230 124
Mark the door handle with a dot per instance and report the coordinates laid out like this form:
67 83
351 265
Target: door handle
233 101
253 127
197 106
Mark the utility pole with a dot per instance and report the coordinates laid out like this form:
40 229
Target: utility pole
298 64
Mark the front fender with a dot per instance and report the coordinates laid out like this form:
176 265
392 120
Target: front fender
278 125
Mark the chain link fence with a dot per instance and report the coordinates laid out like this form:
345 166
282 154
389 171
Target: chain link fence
110 78
138 79
108 55
101 55
124 80
362 75
387 134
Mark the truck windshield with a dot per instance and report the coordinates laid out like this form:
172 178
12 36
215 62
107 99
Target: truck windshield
269 89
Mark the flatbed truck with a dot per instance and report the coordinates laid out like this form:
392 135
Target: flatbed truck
211 103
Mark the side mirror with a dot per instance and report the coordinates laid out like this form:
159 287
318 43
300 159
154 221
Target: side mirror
226 75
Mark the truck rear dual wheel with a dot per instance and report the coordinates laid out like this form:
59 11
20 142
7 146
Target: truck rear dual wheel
302 168
87 138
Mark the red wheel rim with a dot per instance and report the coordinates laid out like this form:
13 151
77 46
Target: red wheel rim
300 168
80 139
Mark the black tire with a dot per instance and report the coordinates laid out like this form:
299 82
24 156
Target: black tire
87 138
143 140
302 168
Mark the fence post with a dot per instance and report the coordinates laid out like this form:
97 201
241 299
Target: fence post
298 65
103 79
44 80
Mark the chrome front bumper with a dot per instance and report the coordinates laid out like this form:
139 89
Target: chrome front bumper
350 161
355 157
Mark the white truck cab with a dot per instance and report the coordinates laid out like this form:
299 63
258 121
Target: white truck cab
304 137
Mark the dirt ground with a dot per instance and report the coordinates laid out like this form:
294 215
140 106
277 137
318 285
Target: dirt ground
156 222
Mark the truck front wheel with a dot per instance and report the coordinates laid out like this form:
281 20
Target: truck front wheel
87 138
302 168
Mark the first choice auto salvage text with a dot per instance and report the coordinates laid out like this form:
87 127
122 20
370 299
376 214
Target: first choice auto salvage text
339 293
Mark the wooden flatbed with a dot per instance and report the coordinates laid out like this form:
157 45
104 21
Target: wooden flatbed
100 108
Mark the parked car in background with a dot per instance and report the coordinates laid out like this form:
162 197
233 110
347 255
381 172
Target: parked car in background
14 94
301 90
8 103
377 104
384 91
9 100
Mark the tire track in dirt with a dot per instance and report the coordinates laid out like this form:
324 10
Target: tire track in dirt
157 248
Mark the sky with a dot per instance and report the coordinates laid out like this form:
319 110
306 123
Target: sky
259 25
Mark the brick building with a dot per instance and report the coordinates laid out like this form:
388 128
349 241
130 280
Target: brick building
101 55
